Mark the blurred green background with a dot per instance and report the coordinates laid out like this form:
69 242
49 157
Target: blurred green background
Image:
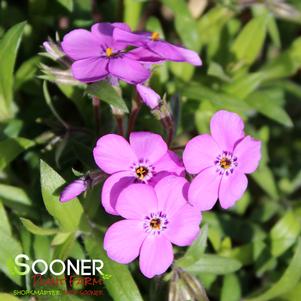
251 53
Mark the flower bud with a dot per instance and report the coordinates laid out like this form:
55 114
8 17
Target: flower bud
149 96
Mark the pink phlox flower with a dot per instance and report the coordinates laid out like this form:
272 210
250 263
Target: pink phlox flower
148 96
74 189
220 161
152 49
97 55
154 219
144 159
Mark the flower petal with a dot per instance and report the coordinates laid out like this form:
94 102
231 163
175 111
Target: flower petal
137 201
103 32
148 146
184 226
189 56
148 96
129 37
112 188
156 255
122 26
128 70
73 189
200 153
166 50
113 153
227 129
123 240
248 152
231 189
172 194
144 55
170 162
203 190
80 44
90 70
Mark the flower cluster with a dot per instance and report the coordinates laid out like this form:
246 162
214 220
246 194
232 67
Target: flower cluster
148 189
111 51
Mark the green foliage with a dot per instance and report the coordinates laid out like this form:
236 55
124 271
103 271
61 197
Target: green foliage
106 92
9 46
251 65
68 215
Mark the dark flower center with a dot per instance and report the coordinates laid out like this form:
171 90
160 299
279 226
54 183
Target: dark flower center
141 172
225 163
155 223
155 36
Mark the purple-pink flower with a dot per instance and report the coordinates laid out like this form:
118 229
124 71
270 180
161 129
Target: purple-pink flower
221 162
148 96
144 159
153 49
97 55
73 190
155 218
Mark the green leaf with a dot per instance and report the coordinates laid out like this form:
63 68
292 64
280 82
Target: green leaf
8 297
265 179
284 233
9 45
105 92
245 84
196 249
34 229
4 223
288 280
68 4
185 25
132 12
121 286
231 290
249 42
292 295
265 103
208 263
10 248
67 214
220 100
217 71
10 148
286 64
26 71
60 238
14 194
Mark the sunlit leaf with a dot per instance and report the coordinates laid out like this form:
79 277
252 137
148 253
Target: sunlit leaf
9 45
67 214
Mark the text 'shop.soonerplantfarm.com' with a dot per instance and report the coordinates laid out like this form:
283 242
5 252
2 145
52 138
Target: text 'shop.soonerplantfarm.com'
150 150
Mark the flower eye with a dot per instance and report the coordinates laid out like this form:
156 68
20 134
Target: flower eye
109 52
225 163
155 36
141 172
155 224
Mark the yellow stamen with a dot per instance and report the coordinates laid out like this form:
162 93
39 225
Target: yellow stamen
225 163
109 52
141 172
155 223
155 36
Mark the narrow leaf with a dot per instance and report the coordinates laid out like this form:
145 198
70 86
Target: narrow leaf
67 214
105 92
34 229
9 46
